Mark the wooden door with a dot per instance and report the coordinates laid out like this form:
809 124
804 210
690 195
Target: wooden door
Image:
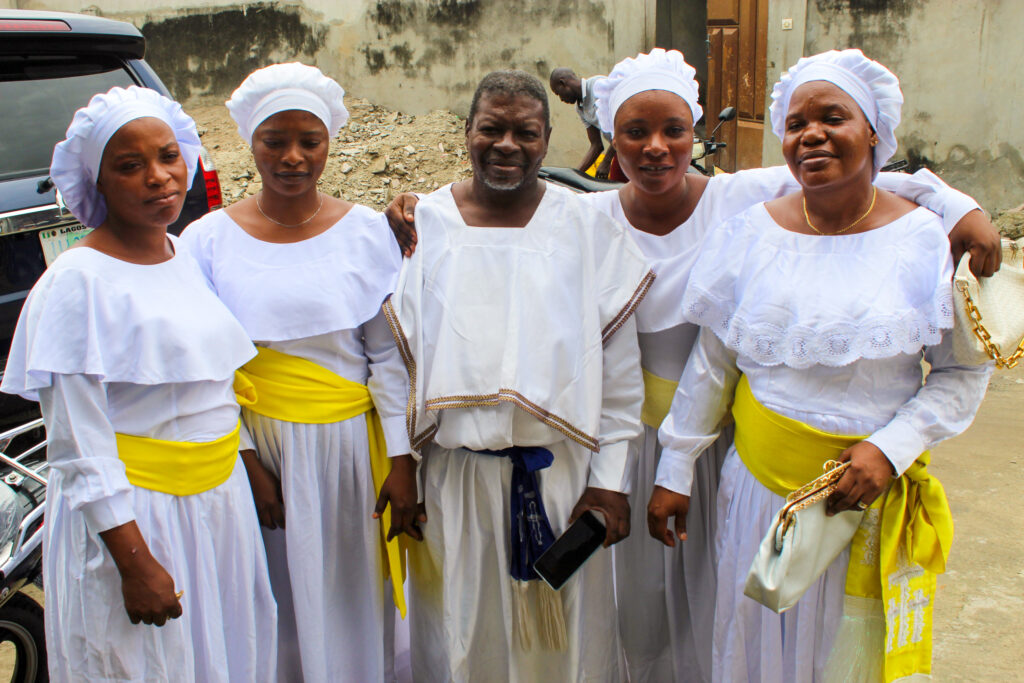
737 48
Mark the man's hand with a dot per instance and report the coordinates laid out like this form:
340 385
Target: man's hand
613 505
266 491
399 489
868 475
147 588
400 217
664 504
975 233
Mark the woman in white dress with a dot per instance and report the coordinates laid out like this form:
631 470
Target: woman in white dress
153 561
817 309
306 274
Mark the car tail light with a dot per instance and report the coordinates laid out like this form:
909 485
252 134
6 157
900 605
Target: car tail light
214 198
45 25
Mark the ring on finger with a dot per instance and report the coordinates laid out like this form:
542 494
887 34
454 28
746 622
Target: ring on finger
861 505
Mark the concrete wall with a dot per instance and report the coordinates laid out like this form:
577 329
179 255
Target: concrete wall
410 55
959 65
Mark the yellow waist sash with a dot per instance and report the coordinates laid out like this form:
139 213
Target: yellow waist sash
177 467
902 544
658 393
297 390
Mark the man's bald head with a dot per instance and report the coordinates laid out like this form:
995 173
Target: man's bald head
566 84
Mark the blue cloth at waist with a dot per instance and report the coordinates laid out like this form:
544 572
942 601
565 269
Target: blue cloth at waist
530 528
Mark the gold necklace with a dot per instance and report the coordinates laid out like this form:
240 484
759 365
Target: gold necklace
874 196
289 225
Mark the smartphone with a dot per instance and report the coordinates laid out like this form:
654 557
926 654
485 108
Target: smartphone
570 550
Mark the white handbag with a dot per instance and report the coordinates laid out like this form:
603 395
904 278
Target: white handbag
989 322
801 544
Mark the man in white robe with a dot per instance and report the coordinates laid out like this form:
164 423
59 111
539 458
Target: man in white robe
514 318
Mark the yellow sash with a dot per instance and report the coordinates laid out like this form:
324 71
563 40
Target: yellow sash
658 393
177 467
297 390
895 554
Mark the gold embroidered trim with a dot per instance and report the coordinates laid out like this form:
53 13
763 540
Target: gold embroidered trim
410 367
634 301
512 396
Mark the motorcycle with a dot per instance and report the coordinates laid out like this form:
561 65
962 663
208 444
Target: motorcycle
22 498
703 150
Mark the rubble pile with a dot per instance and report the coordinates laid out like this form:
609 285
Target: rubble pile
1011 223
379 154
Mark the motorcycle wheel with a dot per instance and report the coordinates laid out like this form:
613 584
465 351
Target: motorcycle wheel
21 625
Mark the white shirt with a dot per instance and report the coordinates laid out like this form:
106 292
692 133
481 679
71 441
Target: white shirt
317 299
524 336
107 347
829 331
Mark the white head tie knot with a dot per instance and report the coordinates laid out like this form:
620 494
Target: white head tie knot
285 87
658 70
874 88
75 168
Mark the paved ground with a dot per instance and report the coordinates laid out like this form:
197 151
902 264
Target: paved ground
979 616
979 625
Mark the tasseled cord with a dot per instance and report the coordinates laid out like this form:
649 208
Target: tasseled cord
551 624
552 619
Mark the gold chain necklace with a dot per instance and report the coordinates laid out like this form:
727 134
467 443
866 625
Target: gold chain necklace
289 225
874 196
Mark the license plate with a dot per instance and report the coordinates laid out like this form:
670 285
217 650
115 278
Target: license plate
57 240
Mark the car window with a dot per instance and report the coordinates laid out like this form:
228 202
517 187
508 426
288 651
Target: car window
38 98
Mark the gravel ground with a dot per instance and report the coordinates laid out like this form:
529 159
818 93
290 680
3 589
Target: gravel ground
379 154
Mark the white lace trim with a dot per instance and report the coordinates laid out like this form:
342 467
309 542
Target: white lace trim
834 344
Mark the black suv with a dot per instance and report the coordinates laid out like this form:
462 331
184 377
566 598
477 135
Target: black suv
50 65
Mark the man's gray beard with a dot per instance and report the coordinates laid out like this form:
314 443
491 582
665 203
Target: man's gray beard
503 187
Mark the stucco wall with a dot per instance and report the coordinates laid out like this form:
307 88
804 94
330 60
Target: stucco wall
410 55
959 65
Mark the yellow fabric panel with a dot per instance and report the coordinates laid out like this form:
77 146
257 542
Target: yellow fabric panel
177 467
783 454
658 393
294 389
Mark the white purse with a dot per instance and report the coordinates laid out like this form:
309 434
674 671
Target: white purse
989 323
801 544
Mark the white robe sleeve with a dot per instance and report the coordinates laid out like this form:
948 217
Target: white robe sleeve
746 188
621 401
699 407
927 189
944 407
388 383
82 448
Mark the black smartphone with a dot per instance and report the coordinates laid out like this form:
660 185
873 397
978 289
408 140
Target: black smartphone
570 550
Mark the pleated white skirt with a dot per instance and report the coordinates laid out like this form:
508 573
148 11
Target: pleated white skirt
210 544
751 642
462 616
325 565
666 596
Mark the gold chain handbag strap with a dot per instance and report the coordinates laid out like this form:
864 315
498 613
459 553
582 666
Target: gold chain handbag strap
991 348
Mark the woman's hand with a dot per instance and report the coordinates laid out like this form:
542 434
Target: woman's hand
147 588
400 217
266 491
664 504
864 480
399 489
975 233
613 505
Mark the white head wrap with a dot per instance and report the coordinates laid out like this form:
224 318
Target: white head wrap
285 87
76 160
659 70
874 88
